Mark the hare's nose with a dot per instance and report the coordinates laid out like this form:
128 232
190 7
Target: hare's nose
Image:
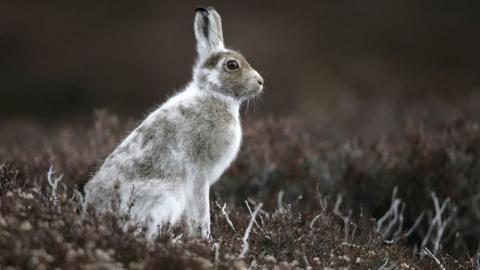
259 80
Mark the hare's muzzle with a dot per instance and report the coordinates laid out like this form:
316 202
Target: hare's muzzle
259 78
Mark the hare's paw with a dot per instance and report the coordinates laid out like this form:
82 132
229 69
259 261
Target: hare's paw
198 229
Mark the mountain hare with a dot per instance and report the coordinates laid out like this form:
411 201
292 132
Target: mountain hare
162 172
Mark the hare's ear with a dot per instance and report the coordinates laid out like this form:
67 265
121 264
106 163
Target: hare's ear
208 31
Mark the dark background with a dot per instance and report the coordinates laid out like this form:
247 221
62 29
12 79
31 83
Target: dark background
365 65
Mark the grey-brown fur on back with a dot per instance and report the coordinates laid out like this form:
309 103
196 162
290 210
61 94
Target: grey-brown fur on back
194 131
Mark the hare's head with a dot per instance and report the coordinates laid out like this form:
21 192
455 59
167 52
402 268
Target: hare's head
219 69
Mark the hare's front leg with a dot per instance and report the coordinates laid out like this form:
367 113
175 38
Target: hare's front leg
198 211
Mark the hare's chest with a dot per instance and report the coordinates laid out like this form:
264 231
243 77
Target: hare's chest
227 148
231 143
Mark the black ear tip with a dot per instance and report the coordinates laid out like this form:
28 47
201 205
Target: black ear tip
201 9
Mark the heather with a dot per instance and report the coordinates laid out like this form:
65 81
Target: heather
408 201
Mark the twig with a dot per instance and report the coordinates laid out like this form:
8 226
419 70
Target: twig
300 238
177 238
385 265
415 225
427 252
441 225
262 212
305 259
437 223
225 214
390 210
53 182
395 217
437 219
255 221
345 218
216 259
247 232
314 220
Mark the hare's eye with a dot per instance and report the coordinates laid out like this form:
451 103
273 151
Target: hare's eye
232 65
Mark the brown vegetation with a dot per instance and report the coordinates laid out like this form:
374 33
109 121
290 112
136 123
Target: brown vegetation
297 178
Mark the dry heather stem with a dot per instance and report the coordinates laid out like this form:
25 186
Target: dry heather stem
247 231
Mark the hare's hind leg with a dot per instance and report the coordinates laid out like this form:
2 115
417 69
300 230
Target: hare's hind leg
166 213
156 206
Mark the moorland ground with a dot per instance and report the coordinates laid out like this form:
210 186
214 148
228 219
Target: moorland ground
397 202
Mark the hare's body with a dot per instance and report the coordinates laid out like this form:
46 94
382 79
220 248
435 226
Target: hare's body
159 171
162 172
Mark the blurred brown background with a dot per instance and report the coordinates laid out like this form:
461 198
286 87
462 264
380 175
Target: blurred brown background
351 63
